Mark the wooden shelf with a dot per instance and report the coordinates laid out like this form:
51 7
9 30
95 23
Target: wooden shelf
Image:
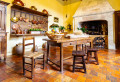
25 9
18 35
6 3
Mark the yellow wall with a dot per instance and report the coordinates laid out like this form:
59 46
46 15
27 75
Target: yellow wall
70 10
54 8
115 4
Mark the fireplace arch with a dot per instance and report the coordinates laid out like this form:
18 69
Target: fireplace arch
95 27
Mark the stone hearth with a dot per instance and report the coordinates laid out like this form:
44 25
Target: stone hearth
96 10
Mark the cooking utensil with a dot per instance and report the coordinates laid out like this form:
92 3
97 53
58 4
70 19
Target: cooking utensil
18 2
21 18
15 26
34 21
26 19
45 11
33 8
14 19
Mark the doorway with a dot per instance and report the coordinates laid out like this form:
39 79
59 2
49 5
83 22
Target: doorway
117 29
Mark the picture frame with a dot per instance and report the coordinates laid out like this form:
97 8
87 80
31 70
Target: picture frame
56 19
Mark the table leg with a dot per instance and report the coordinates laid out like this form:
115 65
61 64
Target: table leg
47 51
82 46
76 47
91 44
61 58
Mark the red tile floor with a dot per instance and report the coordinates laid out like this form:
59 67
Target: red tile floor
107 71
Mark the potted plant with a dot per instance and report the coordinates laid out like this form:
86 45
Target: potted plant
62 28
35 31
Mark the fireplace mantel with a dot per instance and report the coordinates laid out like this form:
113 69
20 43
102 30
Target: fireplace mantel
93 7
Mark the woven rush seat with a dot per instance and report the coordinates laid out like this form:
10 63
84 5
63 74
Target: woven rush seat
78 53
92 49
33 54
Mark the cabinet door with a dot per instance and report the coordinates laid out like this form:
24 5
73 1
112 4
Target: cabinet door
2 17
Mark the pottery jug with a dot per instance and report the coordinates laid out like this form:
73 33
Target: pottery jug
19 49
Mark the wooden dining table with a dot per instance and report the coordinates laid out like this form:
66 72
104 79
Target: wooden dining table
64 42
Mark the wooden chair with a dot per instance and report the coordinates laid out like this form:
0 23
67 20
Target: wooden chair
31 55
80 55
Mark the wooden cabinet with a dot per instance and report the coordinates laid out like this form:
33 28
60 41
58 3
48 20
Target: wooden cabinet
3 6
117 29
2 17
3 45
3 34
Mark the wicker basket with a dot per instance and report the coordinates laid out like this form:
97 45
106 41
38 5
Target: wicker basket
54 36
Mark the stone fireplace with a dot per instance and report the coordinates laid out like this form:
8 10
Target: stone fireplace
95 27
94 10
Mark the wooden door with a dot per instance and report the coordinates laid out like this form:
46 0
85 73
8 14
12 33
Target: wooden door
117 29
2 17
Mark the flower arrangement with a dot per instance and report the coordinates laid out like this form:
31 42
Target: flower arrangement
84 29
54 26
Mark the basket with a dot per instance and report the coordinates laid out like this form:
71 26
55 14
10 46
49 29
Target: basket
54 36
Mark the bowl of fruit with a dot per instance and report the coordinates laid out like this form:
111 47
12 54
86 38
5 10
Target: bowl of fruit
54 36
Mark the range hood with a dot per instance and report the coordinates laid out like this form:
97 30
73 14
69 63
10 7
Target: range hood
89 7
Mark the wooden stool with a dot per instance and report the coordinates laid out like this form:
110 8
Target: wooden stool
78 54
89 51
31 55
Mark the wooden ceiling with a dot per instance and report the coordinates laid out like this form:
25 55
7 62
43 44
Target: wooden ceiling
66 2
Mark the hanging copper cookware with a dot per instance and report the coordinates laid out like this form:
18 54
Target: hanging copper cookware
34 22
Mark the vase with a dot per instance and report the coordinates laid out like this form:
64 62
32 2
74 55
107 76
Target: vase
19 49
62 31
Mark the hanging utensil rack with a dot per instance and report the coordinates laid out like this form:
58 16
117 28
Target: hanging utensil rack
27 11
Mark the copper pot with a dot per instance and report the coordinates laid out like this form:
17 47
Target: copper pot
19 31
18 2
26 20
45 11
34 21
33 8
21 18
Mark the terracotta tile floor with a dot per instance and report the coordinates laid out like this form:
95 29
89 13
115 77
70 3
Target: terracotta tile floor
107 71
